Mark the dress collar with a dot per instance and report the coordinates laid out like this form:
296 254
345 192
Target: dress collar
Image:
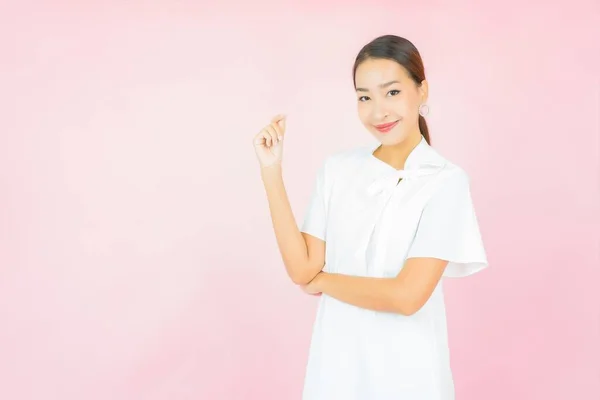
422 155
423 160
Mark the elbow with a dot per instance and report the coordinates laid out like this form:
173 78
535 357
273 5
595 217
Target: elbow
405 305
404 299
300 279
410 310
301 275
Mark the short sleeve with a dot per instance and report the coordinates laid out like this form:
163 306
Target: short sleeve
315 217
449 230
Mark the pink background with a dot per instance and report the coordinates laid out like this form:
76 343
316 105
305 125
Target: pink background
137 258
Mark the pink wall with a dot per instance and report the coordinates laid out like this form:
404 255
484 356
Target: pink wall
137 259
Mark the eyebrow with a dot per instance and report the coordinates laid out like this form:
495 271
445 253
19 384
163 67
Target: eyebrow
383 85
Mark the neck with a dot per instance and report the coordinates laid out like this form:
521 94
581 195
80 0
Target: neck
396 154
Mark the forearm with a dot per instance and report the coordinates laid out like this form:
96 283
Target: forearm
378 294
291 244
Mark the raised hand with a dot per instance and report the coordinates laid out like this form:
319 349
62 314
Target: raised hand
268 143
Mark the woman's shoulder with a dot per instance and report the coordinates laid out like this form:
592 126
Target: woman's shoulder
449 170
455 172
452 179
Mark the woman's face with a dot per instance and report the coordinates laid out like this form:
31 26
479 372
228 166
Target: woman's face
386 94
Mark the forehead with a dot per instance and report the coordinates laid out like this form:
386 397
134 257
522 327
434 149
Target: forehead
372 72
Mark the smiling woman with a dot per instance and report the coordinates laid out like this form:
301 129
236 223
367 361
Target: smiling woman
397 75
384 225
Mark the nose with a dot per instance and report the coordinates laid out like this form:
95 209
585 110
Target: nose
379 113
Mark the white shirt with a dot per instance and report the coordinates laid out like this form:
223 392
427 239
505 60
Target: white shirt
371 224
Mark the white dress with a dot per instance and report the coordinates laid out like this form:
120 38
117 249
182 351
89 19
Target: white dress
371 225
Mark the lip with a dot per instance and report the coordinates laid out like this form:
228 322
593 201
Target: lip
386 127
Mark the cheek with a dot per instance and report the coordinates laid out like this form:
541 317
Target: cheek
401 105
363 112
411 105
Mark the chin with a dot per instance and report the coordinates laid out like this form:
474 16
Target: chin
390 138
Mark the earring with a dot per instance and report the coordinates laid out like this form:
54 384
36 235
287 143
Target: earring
421 112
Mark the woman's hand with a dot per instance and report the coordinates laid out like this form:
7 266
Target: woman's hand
268 142
312 287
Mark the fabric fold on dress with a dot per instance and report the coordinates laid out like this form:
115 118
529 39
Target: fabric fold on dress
387 182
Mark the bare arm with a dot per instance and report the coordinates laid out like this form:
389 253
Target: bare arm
405 294
303 254
448 230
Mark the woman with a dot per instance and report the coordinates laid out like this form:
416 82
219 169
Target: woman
395 218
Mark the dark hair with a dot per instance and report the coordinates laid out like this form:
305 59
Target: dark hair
402 51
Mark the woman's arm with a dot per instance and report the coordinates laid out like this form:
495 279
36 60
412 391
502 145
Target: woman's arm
303 255
405 294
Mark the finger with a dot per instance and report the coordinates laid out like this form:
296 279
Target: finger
274 134
274 137
259 139
282 123
278 130
268 139
277 118
279 121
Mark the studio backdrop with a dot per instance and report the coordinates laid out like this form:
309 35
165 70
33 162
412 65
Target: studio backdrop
137 256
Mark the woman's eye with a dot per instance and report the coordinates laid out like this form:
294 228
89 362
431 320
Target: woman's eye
396 91
363 98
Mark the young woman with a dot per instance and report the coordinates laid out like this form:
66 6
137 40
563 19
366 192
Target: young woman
384 225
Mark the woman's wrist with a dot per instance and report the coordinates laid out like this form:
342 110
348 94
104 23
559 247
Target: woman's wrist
320 280
273 169
271 172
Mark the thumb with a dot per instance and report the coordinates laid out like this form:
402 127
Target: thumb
278 117
282 121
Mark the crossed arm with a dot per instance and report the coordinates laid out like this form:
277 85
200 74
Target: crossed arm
304 259
404 294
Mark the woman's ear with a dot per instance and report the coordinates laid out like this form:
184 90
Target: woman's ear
424 90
